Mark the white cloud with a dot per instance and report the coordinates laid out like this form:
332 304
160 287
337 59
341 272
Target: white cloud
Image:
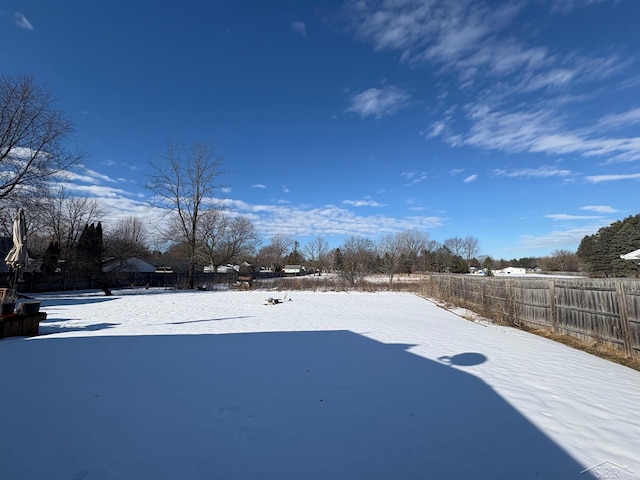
98 191
624 119
569 238
378 102
508 131
84 175
414 177
471 178
269 219
259 185
474 39
436 128
540 172
300 28
467 36
557 77
568 5
367 202
599 208
329 220
439 30
540 131
565 216
22 22
611 178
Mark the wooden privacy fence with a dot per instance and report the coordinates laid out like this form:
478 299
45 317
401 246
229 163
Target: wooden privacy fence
600 310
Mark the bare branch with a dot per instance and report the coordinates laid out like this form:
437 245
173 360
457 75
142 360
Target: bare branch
183 182
33 135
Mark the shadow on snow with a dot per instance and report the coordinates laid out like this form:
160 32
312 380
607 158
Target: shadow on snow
285 405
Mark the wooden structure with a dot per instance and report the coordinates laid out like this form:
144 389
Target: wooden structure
27 325
600 310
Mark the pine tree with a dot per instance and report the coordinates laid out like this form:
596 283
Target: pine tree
600 252
338 259
294 258
90 248
97 249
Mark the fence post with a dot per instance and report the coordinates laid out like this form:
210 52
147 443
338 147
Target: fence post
552 306
624 318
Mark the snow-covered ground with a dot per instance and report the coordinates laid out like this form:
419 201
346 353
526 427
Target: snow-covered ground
217 385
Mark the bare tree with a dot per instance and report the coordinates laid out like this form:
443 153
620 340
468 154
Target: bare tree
358 259
33 135
272 255
316 252
390 249
562 261
60 218
224 239
184 183
413 243
455 245
127 238
470 248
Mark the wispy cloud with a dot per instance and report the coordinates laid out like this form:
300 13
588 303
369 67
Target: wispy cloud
542 131
299 28
437 128
567 238
378 102
498 71
84 175
414 177
466 36
565 216
22 22
326 221
611 178
439 31
470 178
96 190
599 208
568 5
366 202
258 185
540 172
624 119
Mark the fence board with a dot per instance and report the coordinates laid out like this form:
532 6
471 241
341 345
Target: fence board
599 310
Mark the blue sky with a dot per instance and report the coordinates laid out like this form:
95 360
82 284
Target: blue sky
516 122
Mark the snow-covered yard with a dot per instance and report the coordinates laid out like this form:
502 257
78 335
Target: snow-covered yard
217 385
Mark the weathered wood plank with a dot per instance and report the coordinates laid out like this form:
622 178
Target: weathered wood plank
600 310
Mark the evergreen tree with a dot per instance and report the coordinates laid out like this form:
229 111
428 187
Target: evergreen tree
295 257
98 247
90 248
600 253
51 257
458 265
83 248
338 259
442 259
